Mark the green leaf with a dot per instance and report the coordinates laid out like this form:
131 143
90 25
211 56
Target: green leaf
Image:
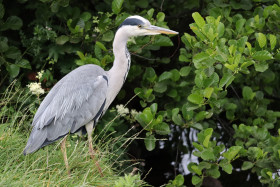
207 155
160 17
261 38
227 167
145 118
13 70
98 52
55 6
13 53
172 93
247 64
150 142
226 80
232 67
196 180
163 41
247 165
198 146
160 87
221 29
101 45
162 128
108 36
195 98
240 24
175 75
64 3
248 93
165 75
150 74
13 22
153 108
212 80
142 3
232 152
185 71
214 171
2 11
23 63
187 40
273 41
199 20
204 165
179 180
241 45
255 153
85 16
196 169
208 92
3 44
62 39
249 46
207 134
261 66
197 126
197 31
150 12
176 117
117 5
200 116
200 57
262 55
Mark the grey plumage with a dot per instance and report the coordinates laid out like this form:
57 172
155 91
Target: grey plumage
80 98
71 103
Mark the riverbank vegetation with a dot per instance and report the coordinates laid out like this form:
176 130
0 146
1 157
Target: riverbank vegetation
213 91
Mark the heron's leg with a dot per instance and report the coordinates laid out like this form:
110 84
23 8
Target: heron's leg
63 150
89 128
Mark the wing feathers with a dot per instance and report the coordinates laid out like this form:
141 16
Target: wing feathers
73 102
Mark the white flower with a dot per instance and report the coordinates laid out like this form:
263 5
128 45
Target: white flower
40 74
122 110
134 113
36 88
48 28
96 29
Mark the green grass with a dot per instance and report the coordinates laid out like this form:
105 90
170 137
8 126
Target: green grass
46 166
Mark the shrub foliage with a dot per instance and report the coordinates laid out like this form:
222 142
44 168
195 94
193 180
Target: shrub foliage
223 81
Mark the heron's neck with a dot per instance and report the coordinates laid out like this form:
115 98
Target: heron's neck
122 57
117 74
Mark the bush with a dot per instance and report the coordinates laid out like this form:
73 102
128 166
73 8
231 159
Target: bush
224 82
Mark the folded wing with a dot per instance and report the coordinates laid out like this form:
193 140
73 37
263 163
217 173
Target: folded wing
74 101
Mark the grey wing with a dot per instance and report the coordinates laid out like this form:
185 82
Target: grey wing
74 101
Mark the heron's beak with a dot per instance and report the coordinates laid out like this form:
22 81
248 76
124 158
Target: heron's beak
159 30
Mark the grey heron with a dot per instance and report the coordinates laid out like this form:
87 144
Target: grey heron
80 98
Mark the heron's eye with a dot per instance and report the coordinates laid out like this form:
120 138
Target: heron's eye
139 26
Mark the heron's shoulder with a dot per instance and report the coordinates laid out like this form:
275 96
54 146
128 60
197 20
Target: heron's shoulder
85 73
91 68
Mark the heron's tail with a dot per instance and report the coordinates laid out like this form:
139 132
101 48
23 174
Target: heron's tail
36 140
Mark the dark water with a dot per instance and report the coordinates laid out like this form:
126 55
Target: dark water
172 156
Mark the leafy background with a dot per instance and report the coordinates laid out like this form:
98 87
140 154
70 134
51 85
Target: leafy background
218 81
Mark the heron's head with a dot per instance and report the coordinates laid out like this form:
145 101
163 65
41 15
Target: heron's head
139 26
